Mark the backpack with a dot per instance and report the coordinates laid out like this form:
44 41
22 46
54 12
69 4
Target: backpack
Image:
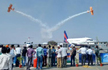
50 53
74 52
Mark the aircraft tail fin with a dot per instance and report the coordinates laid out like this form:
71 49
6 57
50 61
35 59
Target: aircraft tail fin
65 37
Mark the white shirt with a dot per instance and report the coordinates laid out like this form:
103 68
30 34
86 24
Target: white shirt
58 53
82 50
10 62
35 53
4 62
90 51
63 51
12 52
18 50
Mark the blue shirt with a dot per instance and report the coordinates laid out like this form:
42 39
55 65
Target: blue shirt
53 52
45 51
39 51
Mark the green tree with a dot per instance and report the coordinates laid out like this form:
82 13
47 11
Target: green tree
52 43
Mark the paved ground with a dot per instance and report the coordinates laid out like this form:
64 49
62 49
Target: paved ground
104 67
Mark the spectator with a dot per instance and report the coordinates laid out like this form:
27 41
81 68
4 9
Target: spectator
58 51
49 55
53 56
97 55
4 60
73 54
10 57
40 55
83 53
30 52
18 54
90 58
24 51
13 54
64 56
45 56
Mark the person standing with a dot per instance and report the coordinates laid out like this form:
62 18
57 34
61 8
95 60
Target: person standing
64 56
49 55
58 51
13 53
90 58
40 54
24 51
83 54
18 54
30 52
45 56
97 55
73 54
4 60
10 57
53 56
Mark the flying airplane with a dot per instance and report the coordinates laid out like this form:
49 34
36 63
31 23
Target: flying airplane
91 10
78 41
10 8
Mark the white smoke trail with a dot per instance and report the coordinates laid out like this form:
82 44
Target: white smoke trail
32 18
44 28
57 26
46 32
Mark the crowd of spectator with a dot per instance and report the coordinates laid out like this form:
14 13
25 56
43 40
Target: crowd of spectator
46 56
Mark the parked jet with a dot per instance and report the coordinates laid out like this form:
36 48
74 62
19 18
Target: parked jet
78 41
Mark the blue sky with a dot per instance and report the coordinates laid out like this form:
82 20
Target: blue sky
15 28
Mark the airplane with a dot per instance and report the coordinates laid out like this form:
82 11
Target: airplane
27 44
91 10
78 41
10 8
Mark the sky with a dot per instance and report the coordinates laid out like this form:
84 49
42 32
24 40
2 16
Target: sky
16 28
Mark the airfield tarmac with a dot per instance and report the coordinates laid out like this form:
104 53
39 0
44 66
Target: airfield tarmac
104 67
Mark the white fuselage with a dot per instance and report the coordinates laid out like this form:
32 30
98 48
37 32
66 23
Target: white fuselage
28 44
84 41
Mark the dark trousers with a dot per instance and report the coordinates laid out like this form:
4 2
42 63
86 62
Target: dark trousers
17 61
29 63
53 61
90 59
72 60
45 60
83 59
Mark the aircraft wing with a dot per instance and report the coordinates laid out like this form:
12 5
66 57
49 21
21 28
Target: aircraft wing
91 10
8 9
